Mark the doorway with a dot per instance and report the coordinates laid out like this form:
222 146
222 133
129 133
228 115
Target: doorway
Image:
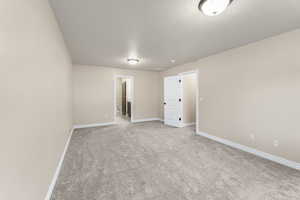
181 99
123 103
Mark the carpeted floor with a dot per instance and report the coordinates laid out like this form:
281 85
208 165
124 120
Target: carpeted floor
150 161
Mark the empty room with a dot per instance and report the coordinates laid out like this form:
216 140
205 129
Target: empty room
150 100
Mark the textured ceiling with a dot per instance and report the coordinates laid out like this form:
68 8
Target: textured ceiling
107 32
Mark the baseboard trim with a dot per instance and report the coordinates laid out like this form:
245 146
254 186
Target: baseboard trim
277 159
58 168
188 124
145 120
94 125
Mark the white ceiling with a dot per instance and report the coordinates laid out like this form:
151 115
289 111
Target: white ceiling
107 32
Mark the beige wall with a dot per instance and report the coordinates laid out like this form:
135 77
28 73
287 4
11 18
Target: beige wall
94 94
253 89
189 98
35 98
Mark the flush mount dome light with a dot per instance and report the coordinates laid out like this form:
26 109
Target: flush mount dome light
133 61
213 7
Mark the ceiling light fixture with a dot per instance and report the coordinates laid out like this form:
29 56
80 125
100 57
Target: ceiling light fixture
213 7
133 61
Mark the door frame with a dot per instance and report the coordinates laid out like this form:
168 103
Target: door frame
115 95
196 72
124 97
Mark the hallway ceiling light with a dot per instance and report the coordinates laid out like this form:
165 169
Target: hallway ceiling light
133 61
213 7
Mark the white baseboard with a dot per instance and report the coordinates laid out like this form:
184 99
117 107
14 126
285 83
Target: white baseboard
94 125
182 124
277 159
188 124
146 120
53 182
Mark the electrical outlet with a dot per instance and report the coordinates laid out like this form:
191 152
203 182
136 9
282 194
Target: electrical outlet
276 143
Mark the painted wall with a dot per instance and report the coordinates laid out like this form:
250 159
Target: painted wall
93 90
189 98
35 98
253 90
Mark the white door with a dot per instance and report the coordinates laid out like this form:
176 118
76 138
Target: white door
173 101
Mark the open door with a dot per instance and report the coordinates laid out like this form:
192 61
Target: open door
173 101
124 98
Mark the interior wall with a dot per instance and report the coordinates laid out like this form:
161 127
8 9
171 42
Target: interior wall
250 95
35 98
189 88
93 92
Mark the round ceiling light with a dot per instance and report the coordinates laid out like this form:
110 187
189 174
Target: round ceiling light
133 61
213 7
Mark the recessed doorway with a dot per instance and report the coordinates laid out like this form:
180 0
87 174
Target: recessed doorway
181 99
123 103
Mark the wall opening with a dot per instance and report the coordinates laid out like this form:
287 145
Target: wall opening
123 99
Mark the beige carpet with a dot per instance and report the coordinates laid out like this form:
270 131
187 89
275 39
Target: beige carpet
156 162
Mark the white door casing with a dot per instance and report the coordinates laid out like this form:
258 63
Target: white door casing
173 101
